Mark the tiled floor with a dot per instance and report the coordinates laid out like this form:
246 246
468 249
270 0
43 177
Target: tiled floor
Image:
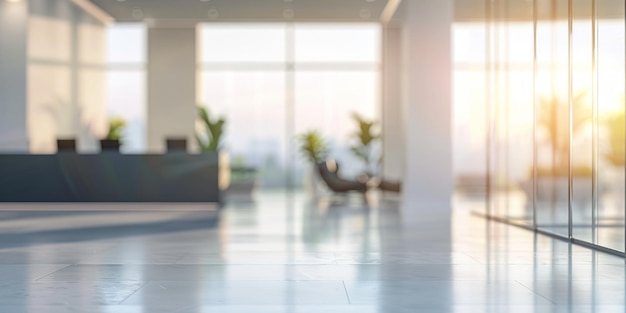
282 254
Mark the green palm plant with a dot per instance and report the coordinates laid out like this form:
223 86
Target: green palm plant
365 137
313 146
213 131
116 128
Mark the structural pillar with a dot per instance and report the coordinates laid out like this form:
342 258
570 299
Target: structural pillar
171 81
392 115
13 75
427 90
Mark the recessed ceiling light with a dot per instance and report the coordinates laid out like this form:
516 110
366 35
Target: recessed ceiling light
288 0
14 0
121 0
213 14
205 0
288 13
137 13
370 0
365 13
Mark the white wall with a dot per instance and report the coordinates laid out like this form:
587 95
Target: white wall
171 81
13 68
427 64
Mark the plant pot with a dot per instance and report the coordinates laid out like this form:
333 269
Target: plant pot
66 145
242 188
243 181
109 145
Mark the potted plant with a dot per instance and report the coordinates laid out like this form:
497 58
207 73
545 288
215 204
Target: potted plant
314 148
113 139
209 137
365 138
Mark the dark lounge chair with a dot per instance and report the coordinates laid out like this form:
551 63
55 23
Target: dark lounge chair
390 186
329 172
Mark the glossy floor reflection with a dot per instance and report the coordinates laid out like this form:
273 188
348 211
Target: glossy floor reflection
282 254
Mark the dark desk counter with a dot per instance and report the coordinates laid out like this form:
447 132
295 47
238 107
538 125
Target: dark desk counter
109 177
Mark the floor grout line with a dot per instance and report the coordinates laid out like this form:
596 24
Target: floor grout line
535 292
134 292
346 290
58 270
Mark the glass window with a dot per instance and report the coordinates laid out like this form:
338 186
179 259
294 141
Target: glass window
126 99
326 101
253 105
469 43
248 79
126 81
126 43
337 42
243 42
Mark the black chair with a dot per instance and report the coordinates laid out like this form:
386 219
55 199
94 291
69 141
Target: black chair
176 144
66 145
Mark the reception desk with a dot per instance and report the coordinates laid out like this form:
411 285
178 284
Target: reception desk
109 177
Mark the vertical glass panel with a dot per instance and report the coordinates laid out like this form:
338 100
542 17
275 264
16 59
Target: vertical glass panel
253 105
519 115
610 98
501 106
470 132
500 178
338 42
126 43
552 124
520 143
126 99
582 121
470 121
326 101
243 42
492 85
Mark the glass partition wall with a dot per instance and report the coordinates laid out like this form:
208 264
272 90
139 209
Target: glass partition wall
555 123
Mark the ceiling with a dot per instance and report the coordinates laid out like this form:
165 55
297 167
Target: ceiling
329 10
244 10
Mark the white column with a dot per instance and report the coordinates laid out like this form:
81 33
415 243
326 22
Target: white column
13 72
393 121
171 85
427 58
